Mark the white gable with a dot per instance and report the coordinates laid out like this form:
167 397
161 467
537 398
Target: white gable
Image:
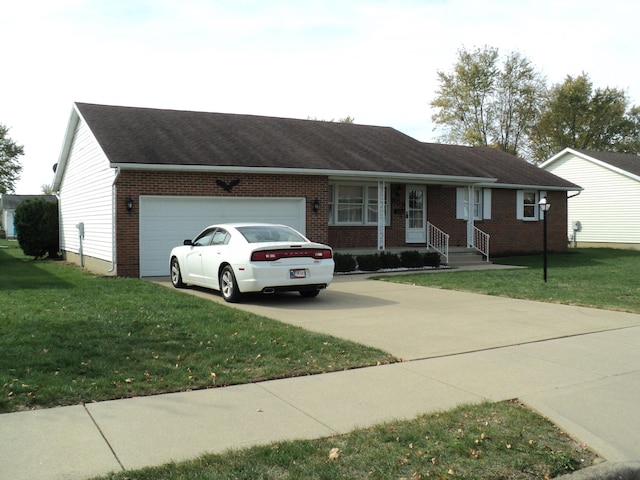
85 181
608 208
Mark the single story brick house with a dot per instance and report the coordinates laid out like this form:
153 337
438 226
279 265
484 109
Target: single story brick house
607 212
134 182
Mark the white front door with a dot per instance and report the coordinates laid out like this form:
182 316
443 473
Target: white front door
416 214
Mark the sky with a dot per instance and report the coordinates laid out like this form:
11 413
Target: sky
373 60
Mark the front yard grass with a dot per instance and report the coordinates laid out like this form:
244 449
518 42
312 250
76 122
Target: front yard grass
591 277
68 337
492 440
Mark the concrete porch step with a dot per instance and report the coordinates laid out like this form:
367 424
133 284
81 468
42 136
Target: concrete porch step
462 257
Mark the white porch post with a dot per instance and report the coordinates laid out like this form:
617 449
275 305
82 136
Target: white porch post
470 216
382 213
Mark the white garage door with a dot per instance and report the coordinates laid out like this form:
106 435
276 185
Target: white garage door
167 221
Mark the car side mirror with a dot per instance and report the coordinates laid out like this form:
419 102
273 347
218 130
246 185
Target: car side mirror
188 242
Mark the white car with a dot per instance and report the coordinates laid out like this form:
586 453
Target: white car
237 258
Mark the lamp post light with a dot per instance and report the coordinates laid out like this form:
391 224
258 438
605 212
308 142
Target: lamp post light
544 208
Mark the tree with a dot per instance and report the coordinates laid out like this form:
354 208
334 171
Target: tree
483 103
575 115
36 222
9 167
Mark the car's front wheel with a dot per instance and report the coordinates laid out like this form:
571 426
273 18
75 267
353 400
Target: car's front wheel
228 285
176 275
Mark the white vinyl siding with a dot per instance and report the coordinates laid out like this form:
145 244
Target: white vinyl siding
608 208
86 197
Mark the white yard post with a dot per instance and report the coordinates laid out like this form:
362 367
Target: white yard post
382 211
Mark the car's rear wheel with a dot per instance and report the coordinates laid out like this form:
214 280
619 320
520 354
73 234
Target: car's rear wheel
176 275
309 293
228 285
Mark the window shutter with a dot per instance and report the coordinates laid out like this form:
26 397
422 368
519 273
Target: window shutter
461 214
486 203
520 205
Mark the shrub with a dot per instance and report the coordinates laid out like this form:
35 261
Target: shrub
36 223
411 259
368 263
389 260
344 262
432 259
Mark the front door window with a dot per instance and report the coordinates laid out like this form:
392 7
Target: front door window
416 231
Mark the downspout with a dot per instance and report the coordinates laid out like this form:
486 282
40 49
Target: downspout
114 210
57 194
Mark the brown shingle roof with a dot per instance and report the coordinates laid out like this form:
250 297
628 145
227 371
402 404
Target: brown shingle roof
131 136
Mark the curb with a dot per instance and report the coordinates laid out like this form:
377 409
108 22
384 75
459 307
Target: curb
607 471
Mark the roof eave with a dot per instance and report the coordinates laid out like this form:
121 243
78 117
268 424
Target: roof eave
519 186
74 119
335 174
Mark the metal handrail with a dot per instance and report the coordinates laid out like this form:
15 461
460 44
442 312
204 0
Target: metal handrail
481 241
438 240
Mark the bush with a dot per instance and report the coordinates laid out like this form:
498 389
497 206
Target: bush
36 223
344 262
389 260
411 259
368 263
432 259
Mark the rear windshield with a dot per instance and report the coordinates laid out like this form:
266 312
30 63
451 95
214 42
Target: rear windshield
265 233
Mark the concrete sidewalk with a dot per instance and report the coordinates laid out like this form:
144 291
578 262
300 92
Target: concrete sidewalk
580 367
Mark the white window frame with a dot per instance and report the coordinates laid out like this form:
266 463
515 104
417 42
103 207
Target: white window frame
481 203
520 205
368 207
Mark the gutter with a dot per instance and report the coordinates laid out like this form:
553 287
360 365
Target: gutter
359 174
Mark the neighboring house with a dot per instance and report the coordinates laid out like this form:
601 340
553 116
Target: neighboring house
134 182
8 205
607 213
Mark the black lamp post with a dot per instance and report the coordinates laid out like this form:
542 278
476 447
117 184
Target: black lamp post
544 208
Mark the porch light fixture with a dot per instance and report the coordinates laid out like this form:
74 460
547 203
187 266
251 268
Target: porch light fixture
316 205
544 208
129 203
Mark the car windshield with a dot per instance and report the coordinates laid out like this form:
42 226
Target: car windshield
270 233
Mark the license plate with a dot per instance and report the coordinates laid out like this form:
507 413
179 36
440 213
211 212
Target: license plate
297 273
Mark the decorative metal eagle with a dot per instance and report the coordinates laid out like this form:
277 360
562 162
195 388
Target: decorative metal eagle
227 187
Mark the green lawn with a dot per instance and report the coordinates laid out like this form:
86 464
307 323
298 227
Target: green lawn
592 277
67 337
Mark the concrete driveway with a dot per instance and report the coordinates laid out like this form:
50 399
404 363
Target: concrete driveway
414 322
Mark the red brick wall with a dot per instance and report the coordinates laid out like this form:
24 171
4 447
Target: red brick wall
508 235
136 183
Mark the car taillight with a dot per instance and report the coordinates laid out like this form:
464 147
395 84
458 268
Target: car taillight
270 255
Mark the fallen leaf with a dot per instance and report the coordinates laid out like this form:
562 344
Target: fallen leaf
416 476
334 453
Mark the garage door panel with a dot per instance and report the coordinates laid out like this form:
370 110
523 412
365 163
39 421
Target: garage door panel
166 222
